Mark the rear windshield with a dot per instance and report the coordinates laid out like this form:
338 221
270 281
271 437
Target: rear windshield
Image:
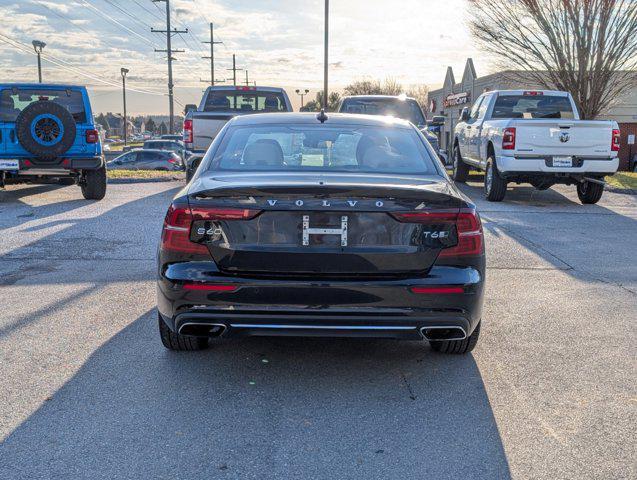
406 109
241 101
366 149
13 101
532 106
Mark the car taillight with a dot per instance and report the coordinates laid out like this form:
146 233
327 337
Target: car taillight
188 131
92 136
175 236
615 142
508 139
467 223
173 159
224 213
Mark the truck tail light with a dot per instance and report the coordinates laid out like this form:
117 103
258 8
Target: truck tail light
615 142
188 131
92 136
467 223
508 139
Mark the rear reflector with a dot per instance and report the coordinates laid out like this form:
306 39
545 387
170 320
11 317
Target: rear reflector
210 288
434 290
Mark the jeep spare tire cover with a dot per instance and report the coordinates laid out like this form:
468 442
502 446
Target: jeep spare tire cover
45 129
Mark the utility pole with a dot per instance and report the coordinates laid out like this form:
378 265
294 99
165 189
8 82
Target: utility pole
302 94
247 81
325 64
212 57
169 50
124 71
38 46
234 70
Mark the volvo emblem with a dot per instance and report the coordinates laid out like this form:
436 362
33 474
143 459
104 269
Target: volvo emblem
564 137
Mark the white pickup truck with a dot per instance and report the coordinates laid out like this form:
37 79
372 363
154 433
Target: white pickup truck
535 137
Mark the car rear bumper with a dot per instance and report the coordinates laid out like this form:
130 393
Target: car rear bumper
581 166
62 167
334 308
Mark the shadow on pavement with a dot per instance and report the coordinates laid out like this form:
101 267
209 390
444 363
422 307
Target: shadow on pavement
262 408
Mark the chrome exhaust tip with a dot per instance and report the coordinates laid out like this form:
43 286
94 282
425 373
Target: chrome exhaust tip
440 333
194 329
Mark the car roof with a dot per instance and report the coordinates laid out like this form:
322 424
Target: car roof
155 150
42 86
161 140
245 88
374 97
310 118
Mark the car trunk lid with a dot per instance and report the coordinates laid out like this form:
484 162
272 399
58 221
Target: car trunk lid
323 226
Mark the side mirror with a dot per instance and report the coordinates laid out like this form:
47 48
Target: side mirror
190 107
437 121
464 116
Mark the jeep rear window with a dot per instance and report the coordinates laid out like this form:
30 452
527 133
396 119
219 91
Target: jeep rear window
532 106
13 101
241 101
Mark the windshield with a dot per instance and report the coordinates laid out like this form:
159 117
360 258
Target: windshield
13 101
406 109
532 106
365 149
241 101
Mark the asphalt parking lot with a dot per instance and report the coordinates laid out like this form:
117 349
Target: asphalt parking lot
88 391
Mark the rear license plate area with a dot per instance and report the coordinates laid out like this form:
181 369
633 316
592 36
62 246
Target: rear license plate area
562 162
9 165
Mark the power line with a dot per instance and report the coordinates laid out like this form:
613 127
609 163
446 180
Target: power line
62 64
128 14
112 20
63 17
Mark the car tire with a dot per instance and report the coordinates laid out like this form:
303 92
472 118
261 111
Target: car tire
495 187
94 184
189 175
460 169
589 192
457 347
181 343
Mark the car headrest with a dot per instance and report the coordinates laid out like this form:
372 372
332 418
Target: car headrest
379 158
271 104
7 102
263 153
365 143
220 101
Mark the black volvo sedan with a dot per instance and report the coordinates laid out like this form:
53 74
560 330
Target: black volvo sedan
321 225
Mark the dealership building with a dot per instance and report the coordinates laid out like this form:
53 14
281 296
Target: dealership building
449 101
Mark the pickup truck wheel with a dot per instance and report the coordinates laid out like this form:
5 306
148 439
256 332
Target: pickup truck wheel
174 341
94 184
589 192
495 187
457 346
460 169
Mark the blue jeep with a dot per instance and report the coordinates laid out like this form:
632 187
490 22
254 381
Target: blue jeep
48 131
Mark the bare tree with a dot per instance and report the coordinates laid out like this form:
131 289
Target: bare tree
374 87
420 93
586 47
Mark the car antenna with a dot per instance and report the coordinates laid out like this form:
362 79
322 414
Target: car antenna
321 117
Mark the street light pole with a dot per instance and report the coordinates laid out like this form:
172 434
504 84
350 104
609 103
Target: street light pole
305 92
327 15
124 71
38 46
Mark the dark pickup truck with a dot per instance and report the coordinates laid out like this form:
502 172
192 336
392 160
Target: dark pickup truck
47 131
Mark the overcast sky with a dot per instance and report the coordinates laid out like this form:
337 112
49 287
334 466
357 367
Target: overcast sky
280 42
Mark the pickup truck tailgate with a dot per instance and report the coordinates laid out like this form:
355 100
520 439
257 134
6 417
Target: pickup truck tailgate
555 137
206 126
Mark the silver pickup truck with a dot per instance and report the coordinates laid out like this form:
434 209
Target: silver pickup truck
219 104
